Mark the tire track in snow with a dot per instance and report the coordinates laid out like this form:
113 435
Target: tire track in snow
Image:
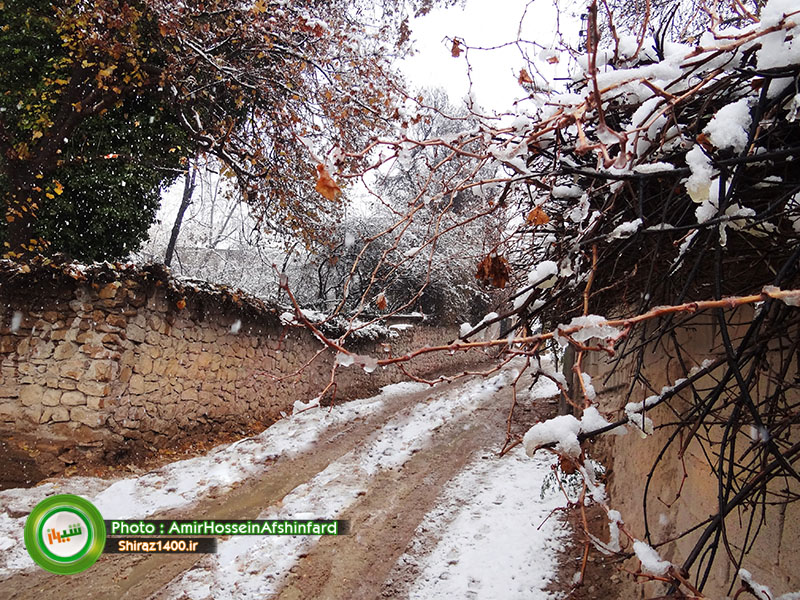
255 567
253 470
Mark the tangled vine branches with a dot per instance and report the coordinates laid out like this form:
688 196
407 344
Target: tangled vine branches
659 190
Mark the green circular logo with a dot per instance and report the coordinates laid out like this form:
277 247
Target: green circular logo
65 534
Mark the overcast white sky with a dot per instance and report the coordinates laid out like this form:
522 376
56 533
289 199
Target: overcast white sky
484 23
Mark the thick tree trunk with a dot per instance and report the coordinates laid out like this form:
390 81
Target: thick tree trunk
188 190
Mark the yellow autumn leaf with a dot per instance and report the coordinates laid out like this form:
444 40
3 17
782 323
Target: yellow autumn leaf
58 188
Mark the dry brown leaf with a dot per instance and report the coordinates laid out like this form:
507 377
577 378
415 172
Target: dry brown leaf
381 302
705 142
524 78
493 270
567 466
326 185
456 49
537 217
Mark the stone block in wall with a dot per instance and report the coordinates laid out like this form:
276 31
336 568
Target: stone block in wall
136 297
109 291
144 365
98 351
203 360
31 395
101 370
128 359
208 398
30 414
73 369
79 306
41 349
95 402
10 412
73 398
135 333
28 368
160 367
88 337
23 346
65 350
69 334
54 414
117 321
93 388
51 397
167 411
8 344
136 384
158 303
155 323
51 316
9 391
112 341
135 400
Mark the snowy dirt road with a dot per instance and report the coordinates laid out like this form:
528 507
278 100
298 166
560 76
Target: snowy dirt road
434 512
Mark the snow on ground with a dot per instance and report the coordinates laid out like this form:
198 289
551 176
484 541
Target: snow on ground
181 483
495 538
489 514
254 566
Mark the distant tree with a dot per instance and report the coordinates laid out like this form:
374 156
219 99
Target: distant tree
370 260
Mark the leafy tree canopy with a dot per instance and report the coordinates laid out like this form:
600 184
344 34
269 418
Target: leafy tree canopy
101 101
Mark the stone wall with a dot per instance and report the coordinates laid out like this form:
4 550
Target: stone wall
674 503
97 363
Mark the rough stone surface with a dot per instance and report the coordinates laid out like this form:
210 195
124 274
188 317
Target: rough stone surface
120 363
683 489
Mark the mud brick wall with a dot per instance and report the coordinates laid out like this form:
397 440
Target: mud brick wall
674 504
97 363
